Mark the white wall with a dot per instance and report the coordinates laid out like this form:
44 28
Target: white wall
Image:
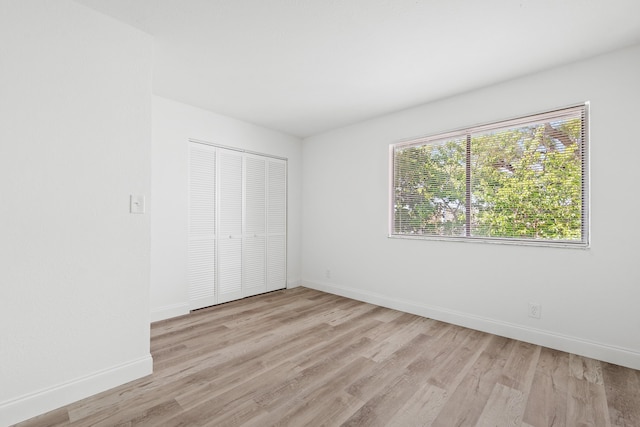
589 297
75 108
173 124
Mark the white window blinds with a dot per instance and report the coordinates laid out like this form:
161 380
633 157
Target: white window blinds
522 180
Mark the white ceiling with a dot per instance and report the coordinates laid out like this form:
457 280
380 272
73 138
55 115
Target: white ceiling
308 66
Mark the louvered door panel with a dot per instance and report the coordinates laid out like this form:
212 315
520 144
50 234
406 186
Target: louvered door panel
276 224
277 196
230 205
229 269
201 272
255 195
276 262
254 280
230 225
253 266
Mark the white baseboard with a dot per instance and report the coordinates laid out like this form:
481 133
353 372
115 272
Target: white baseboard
575 345
294 284
169 311
28 406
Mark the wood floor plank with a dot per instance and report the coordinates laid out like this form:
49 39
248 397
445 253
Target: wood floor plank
281 392
421 409
587 404
389 315
504 408
301 357
469 398
521 366
222 378
235 401
320 402
391 343
584 368
623 395
389 370
446 369
547 401
56 418
380 409
133 416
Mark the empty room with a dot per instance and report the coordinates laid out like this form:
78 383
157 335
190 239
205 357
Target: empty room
319 212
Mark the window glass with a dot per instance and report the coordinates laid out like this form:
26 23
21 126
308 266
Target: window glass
522 180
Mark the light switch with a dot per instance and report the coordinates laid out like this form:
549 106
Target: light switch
136 204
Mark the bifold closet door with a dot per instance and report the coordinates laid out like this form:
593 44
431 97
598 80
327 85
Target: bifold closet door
255 224
276 224
201 275
230 212
237 244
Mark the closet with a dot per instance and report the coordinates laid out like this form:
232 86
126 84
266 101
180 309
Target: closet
237 224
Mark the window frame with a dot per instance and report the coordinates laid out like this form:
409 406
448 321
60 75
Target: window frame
467 132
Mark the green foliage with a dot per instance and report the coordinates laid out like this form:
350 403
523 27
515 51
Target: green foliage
430 189
525 183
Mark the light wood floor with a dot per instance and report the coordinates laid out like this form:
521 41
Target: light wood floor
305 358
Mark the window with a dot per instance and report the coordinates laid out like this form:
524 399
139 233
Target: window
518 181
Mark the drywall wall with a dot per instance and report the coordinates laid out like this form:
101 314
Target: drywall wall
589 298
173 124
75 142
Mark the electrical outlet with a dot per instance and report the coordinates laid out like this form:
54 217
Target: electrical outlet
327 273
136 204
534 310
